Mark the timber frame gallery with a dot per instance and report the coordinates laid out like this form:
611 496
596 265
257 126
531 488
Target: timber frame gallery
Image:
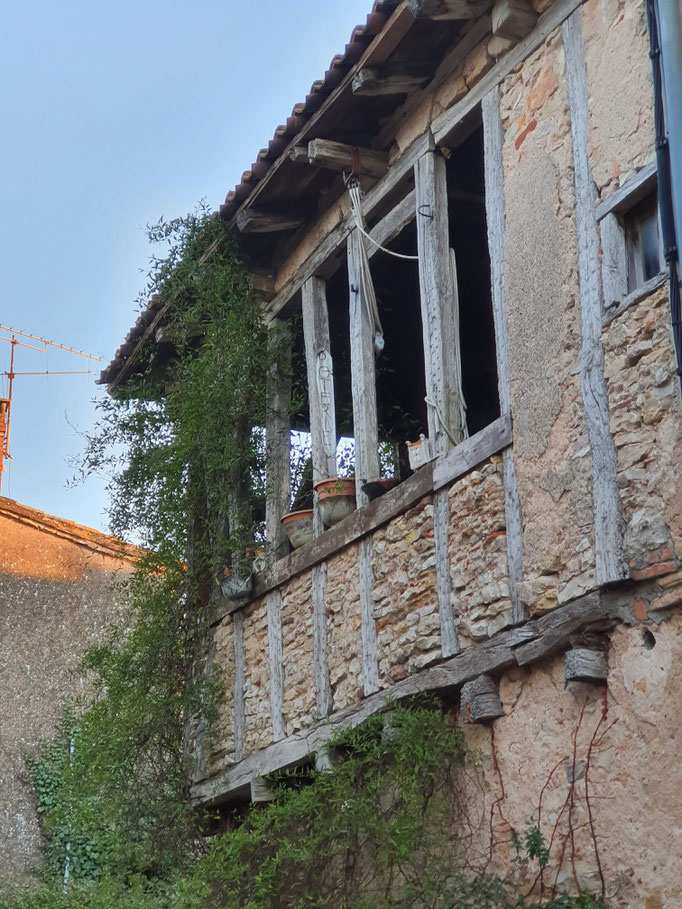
531 566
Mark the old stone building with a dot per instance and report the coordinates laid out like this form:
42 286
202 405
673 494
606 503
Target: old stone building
529 571
57 596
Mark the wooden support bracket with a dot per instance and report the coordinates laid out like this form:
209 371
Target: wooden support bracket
480 700
371 82
337 156
584 665
261 790
513 19
264 221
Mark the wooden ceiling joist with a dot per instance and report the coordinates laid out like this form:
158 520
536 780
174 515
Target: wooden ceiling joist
371 82
264 221
446 9
341 157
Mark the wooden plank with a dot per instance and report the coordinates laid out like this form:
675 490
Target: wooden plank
441 539
273 605
631 192
239 682
264 221
448 122
371 82
320 370
277 439
493 141
608 541
438 299
370 668
614 262
472 451
353 159
363 377
323 691
446 9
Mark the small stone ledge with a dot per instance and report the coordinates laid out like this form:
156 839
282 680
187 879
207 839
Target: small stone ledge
524 645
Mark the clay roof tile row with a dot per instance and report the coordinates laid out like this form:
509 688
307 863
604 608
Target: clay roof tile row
361 37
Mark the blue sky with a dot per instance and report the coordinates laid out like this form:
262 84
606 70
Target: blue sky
111 116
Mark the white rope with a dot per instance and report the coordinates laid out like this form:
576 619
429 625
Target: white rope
384 248
365 273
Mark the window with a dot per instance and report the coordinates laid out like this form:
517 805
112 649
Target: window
644 245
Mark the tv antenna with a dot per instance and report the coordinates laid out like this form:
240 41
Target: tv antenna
6 403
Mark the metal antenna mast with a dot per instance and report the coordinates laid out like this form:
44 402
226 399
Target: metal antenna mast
6 403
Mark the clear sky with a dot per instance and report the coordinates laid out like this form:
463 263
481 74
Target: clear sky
112 115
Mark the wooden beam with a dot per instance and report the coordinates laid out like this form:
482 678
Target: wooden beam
239 682
263 283
273 606
320 371
261 790
323 690
438 299
439 473
446 9
337 156
513 19
365 429
480 700
585 665
441 541
608 538
299 154
264 221
363 376
493 141
512 647
370 82
277 439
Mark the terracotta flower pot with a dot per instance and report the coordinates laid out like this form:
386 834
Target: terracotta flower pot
298 526
336 497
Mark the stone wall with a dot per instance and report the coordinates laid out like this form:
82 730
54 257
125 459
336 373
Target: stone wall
646 422
622 744
406 607
58 595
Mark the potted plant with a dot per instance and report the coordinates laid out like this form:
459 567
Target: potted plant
298 526
336 498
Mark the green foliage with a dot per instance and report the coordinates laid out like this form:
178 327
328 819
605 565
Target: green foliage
386 828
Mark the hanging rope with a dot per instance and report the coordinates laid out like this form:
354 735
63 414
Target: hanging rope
368 293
